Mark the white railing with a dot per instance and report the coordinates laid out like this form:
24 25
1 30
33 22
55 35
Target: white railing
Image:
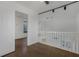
63 40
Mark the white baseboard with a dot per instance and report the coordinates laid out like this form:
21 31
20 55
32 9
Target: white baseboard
57 47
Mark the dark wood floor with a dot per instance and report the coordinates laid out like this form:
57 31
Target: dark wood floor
38 50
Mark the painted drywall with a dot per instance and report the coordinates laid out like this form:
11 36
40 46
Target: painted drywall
61 20
33 29
19 29
77 48
7 29
7 25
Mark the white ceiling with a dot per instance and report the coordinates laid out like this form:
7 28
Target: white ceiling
39 6
21 15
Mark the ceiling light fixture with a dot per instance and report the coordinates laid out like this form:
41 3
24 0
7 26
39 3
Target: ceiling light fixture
53 10
46 2
64 7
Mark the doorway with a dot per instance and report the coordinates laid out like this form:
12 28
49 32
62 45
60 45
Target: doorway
21 26
21 22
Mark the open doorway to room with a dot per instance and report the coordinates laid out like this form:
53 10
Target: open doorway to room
21 23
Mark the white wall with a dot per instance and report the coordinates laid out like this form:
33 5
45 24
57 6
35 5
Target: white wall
33 29
19 32
78 32
7 29
60 21
7 25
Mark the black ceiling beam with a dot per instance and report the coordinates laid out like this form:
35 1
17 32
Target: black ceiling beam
59 7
